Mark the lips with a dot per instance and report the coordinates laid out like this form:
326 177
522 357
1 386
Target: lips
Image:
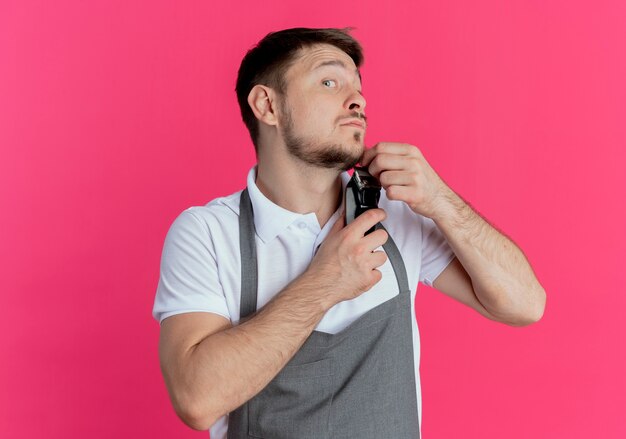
355 122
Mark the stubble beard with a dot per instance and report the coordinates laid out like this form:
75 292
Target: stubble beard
322 155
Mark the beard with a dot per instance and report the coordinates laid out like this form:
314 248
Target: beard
320 154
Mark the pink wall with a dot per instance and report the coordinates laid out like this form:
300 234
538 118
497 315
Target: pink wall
114 117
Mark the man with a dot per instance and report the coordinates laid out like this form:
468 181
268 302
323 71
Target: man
280 321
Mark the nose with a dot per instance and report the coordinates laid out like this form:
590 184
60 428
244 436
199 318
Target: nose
356 101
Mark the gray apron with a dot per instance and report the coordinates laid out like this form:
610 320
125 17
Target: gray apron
357 383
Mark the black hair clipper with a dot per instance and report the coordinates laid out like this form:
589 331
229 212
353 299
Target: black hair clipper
362 193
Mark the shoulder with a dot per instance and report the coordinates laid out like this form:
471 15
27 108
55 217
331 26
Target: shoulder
221 210
215 221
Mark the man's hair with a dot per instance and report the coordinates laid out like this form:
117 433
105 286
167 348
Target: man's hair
267 62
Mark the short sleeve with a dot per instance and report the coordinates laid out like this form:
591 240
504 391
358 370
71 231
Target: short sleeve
188 279
436 252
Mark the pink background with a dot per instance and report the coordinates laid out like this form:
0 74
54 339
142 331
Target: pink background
115 116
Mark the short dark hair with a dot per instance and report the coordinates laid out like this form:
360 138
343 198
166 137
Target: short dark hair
267 62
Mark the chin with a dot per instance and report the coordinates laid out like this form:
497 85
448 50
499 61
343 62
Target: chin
352 161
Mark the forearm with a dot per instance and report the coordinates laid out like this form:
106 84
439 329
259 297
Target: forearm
502 277
230 367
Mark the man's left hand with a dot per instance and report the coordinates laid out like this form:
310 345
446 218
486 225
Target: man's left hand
405 175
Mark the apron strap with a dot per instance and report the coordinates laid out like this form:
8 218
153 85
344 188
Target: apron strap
247 247
396 261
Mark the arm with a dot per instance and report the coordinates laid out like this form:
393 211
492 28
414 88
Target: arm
492 268
493 276
214 375
211 369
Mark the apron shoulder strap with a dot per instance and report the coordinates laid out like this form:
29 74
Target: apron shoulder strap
247 247
396 261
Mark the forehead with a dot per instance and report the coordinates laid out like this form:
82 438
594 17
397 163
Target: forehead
320 56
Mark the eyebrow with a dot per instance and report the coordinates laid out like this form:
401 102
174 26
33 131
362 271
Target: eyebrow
336 62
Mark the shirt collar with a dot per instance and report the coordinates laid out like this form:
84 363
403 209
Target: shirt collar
270 220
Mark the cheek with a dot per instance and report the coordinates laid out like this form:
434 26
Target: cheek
313 120
311 108
313 116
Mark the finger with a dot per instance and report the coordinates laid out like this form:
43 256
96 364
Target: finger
376 276
387 148
368 155
378 258
375 239
367 220
400 193
388 162
400 178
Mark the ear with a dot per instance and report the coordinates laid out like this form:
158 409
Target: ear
263 102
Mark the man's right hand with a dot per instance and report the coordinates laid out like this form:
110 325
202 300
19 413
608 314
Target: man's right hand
346 263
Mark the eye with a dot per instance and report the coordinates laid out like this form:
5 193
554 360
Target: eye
327 80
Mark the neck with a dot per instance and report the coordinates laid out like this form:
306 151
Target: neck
300 188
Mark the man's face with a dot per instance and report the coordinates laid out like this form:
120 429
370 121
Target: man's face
320 99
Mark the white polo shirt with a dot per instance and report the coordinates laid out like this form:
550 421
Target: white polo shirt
201 268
